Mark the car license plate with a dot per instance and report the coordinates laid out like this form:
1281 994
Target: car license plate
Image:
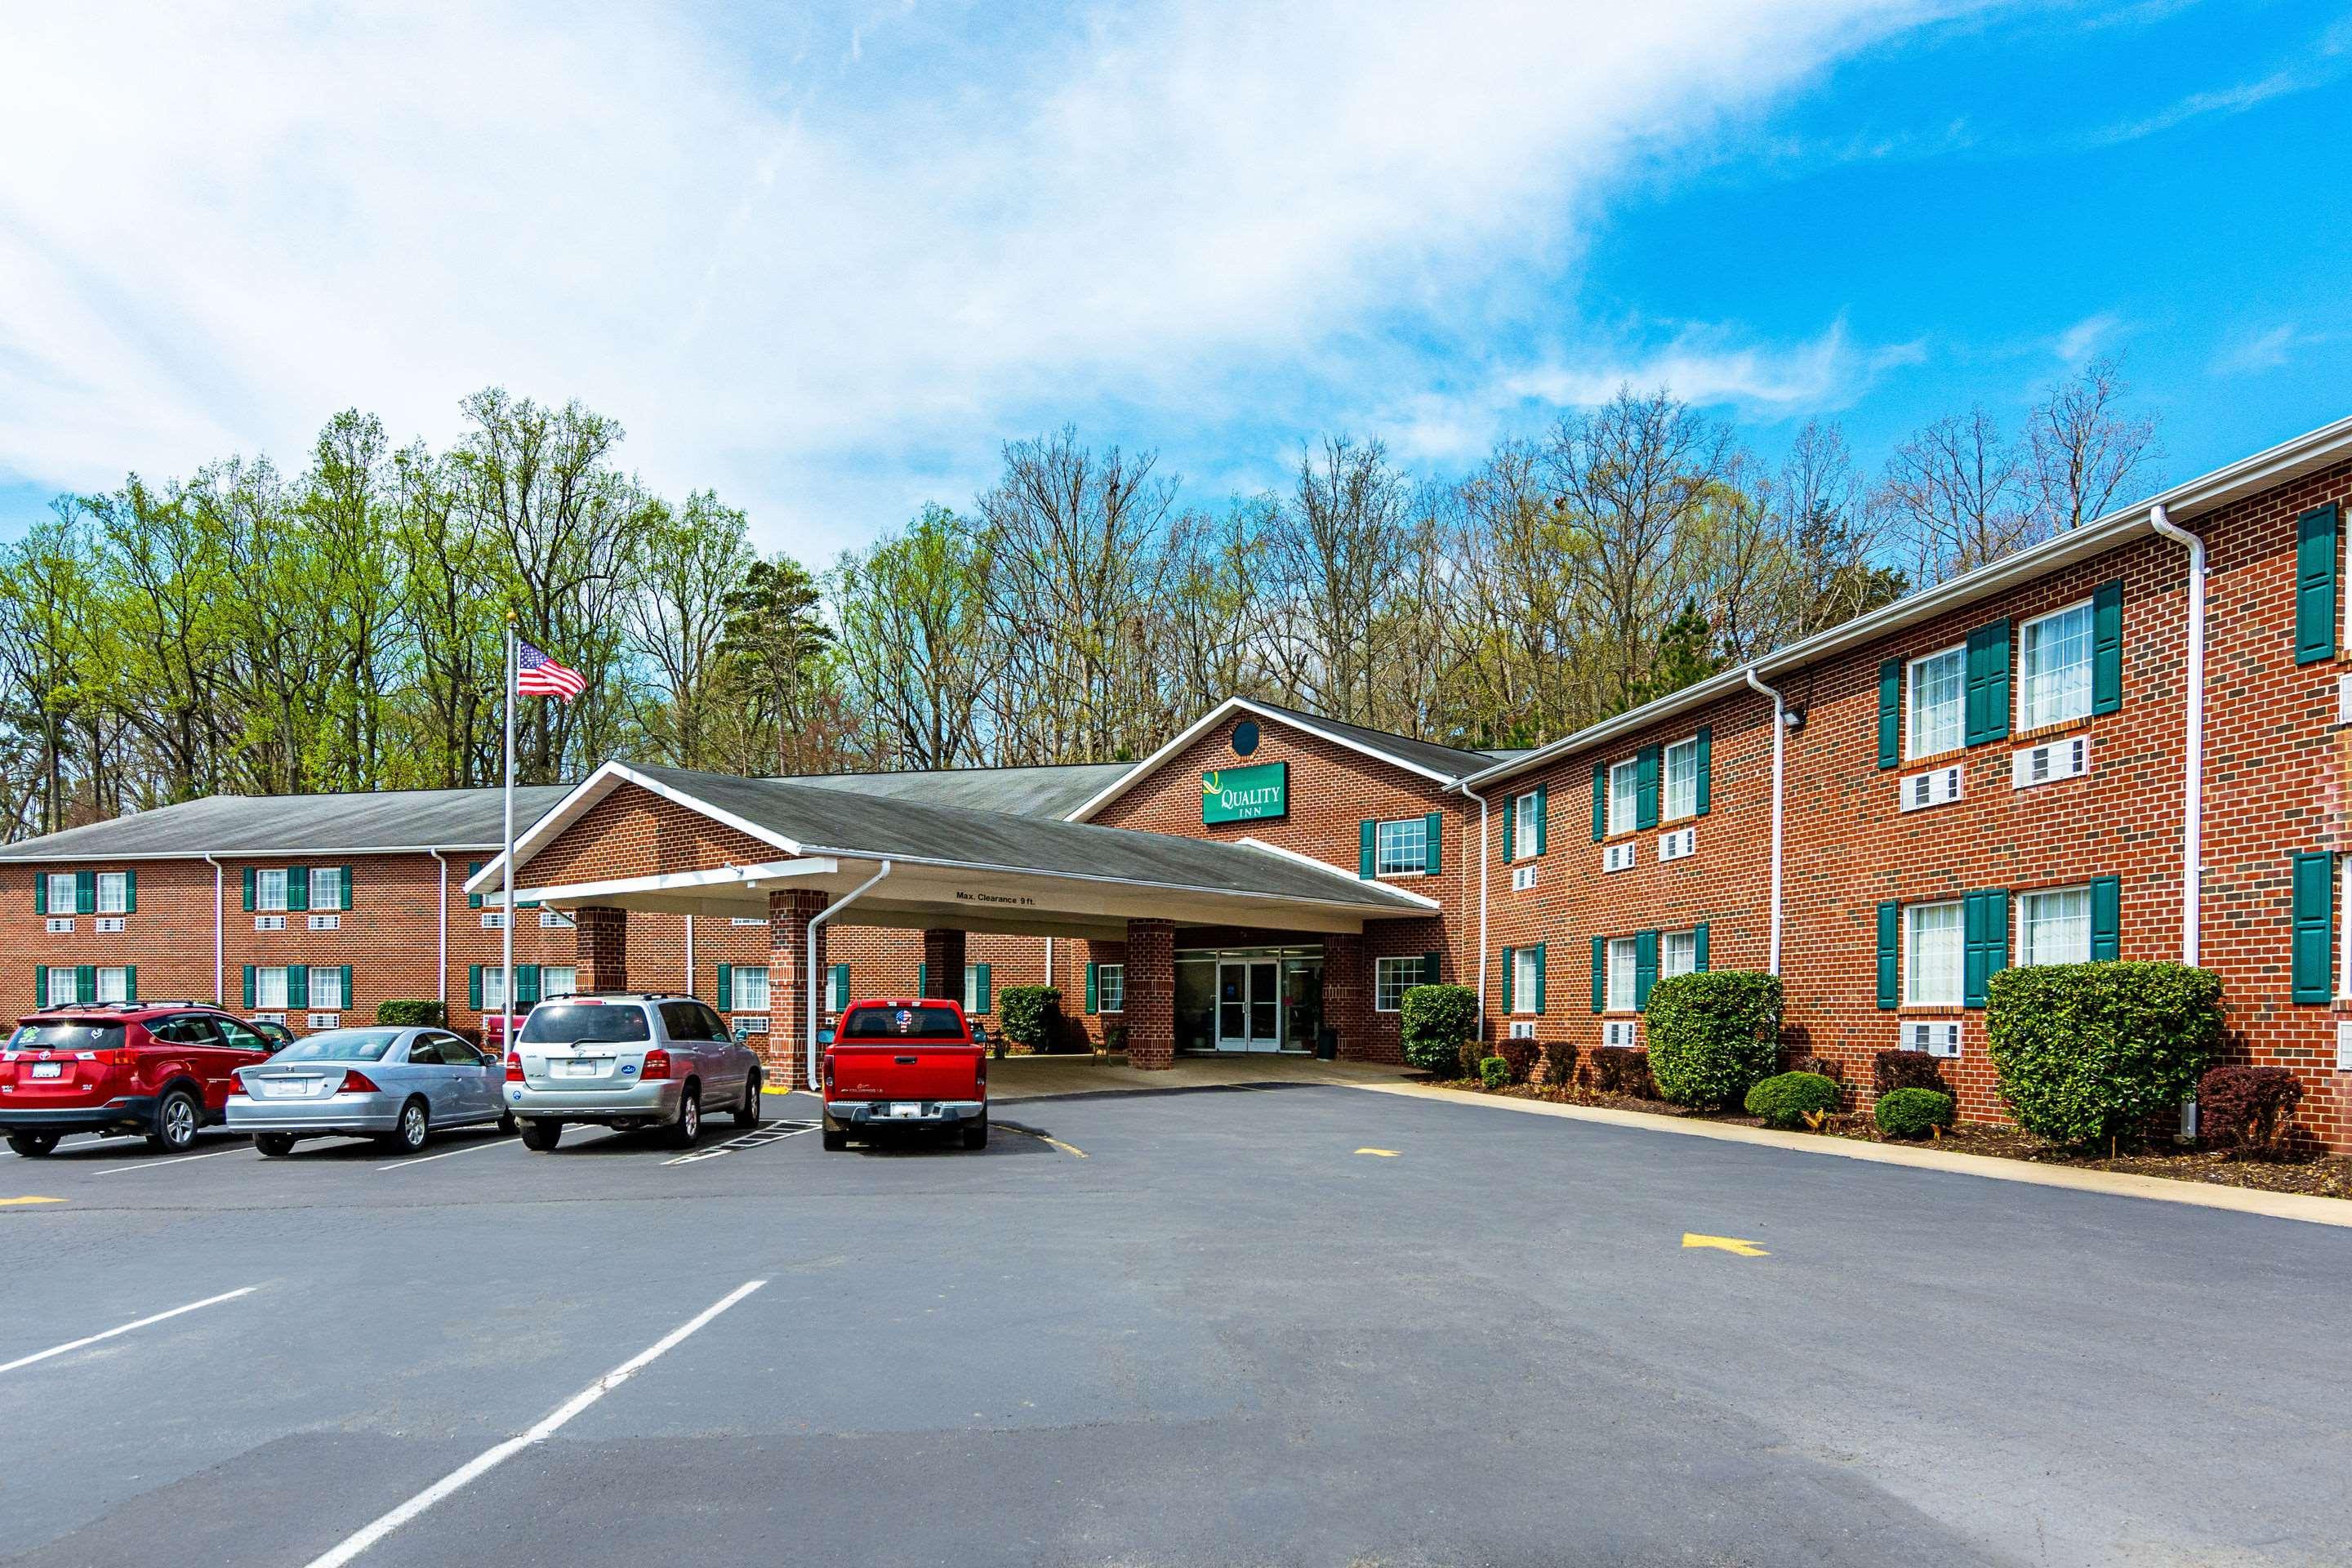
575 1070
284 1087
48 1069
903 1109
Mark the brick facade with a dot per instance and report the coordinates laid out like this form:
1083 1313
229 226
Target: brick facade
1151 994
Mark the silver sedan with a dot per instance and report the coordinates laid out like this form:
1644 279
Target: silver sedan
398 1086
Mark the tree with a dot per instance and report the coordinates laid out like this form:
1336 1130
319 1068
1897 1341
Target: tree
2083 450
781 670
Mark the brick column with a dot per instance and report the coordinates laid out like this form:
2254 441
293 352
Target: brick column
943 960
1150 1004
602 945
1348 999
789 979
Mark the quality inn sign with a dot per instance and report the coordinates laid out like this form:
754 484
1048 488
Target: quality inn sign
1245 794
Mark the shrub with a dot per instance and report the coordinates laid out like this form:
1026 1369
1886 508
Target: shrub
1030 1015
1623 1069
2085 1052
2248 1109
1790 1098
1823 1066
1713 1036
1912 1113
1560 1063
1520 1055
1891 1071
412 1014
1437 1022
1494 1071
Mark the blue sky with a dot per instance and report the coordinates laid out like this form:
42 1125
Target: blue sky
825 257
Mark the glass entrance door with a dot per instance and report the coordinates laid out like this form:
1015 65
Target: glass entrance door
1249 1005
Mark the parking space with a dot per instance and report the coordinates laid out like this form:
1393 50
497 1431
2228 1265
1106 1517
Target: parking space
1305 1325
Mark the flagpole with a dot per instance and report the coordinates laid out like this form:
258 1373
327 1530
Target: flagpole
506 982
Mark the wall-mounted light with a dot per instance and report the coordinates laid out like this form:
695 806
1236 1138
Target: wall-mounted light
1794 718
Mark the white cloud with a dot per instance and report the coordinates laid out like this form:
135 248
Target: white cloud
2253 353
830 264
2084 340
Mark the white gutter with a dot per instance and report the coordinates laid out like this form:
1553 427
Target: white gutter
218 967
1780 758
1483 879
2192 780
441 933
813 982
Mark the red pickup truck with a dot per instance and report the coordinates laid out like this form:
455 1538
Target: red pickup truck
905 1064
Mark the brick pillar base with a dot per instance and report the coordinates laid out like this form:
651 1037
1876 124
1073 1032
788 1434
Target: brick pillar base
601 941
1150 994
943 963
1347 997
790 975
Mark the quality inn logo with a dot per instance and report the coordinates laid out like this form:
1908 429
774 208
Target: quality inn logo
1242 795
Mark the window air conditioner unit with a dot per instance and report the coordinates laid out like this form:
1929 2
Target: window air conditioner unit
750 1025
2066 759
1522 878
1619 856
1624 1033
1675 845
1935 787
326 1020
59 927
1523 1029
326 923
107 924
269 922
1936 1036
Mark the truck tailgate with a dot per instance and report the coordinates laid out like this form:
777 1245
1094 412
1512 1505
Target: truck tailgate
906 1069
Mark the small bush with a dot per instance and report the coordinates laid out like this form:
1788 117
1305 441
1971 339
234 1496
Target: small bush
1713 1036
412 1015
1520 1056
2248 1109
1437 1022
1030 1015
1560 1064
1822 1066
1912 1113
1623 1069
1788 1100
1891 1071
2086 1052
1494 1071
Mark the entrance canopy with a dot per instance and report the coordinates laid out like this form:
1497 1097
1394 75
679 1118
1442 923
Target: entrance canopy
633 837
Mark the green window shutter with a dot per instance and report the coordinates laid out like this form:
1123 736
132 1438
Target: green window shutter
2315 928
2108 646
1429 962
85 983
2106 919
345 878
1984 919
473 870
1431 860
922 981
1364 865
1645 967
526 985
248 887
1510 828
1600 802
40 893
347 984
987 989
1698 947
130 892
1509 1004
1093 995
726 987
1540 970
1890 713
1705 769
1988 698
1601 974
298 886
131 983
2314 585
1543 816
840 986
250 992
473 985
1890 953
1645 796
85 892
298 986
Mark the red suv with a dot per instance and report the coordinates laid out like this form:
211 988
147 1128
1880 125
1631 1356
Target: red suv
163 1068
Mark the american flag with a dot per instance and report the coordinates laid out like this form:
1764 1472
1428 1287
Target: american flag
539 676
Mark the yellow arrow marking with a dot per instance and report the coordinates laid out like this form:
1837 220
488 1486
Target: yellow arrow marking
1383 1154
11 1203
1730 1244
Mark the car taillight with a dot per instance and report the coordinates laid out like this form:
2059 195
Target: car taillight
980 1078
828 1069
114 1058
514 1066
356 1083
657 1064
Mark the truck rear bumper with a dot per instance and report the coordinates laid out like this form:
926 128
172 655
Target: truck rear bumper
840 1114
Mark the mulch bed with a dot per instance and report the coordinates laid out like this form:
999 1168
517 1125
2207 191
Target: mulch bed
2314 1175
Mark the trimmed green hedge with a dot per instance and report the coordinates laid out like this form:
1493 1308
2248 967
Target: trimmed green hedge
1785 1100
1912 1113
2086 1052
412 1014
1030 1015
1437 1022
1494 1072
1713 1036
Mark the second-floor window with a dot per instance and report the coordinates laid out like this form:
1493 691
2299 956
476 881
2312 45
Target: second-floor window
1403 847
1938 702
326 887
61 893
2055 668
1625 795
1525 833
1682 779
270 892
113 892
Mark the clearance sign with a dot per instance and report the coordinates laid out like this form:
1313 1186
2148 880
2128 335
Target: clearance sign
1245 794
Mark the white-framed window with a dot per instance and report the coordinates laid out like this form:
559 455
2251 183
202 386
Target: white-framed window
554 920
113 892
326 887
327 988
1934 946
1526 978
1392 978
1110 987
1625 795
270 889
1677 952
1682 779
1623 957
61 893
270 988
1524 826
750 989
1401 848
558 980
494 988
2055 926
2055 668
1939 685
113 984
57 985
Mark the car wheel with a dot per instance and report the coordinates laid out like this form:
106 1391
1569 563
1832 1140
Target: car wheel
415 1127
748 1114
975 1133
688 1127
177 1117
32 1145
836 1142
542 1134
277 1145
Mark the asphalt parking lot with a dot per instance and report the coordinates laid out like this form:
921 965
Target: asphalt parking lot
1304 1324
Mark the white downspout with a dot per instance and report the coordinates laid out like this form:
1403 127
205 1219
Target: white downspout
1779 755
690 991
1481 799
2192 780
441 958
813 982
219 967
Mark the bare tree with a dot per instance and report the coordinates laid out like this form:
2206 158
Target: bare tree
2084 449
1962 495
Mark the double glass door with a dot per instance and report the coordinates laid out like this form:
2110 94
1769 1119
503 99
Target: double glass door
1249 1005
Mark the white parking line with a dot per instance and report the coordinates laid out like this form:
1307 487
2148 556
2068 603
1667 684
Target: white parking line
759 1137
491 1459
159 1165
93 1339
445 1154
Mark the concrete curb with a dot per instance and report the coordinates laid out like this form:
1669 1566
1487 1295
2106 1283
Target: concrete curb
2115 1183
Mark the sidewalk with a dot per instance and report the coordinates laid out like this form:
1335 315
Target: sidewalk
1035 1078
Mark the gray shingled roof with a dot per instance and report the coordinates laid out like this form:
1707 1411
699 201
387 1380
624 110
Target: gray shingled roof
1451 761
298 825
1022 792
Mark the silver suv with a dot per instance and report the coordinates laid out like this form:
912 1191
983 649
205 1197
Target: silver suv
627 1059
